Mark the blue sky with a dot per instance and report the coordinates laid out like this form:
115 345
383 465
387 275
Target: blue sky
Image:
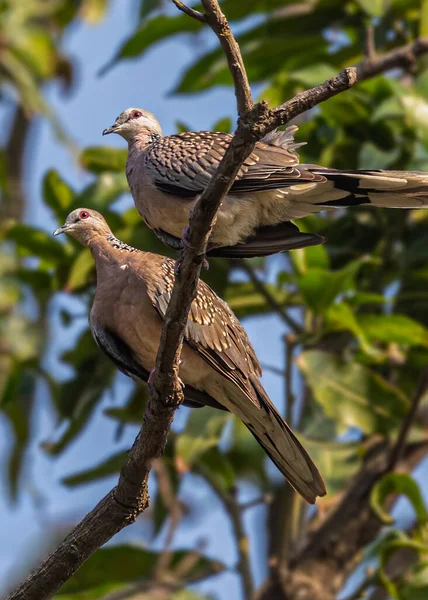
94 105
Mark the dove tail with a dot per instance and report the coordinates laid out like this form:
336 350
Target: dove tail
388 189
280 443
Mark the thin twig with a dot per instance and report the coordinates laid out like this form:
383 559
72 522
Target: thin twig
272 369
272 302
176 512
191 12
370 46
265 499
290 344
218 23
403 57
398 448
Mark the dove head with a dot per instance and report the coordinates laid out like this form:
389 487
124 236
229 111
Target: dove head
84 224
134 121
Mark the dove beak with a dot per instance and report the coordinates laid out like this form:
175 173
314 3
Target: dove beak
61 229
111 129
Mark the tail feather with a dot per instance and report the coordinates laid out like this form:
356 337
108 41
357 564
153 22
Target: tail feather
388 189
281 445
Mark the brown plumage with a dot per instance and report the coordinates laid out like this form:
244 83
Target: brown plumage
166 175
219 366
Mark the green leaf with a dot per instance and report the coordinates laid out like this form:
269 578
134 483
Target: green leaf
37 243
337 461
18 414
216 467
353 395
393 328
133 411
107 188
246 456
80 270
57 194
372 157
423 20
203 430
149 6
98 159
224 125
416 588
122 564
320 287
314 74
374 8
94 10
397 483
244 300
108 467
341 317
151 32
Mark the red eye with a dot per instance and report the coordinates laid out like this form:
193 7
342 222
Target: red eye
84 214
136 114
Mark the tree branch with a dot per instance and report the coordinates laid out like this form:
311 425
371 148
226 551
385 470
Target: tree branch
191 12
129 498
398 448
235 512
218 23
263 291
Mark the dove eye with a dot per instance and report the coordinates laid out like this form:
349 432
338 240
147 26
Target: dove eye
84 214
136 114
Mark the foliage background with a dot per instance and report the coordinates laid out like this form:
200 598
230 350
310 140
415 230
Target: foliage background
359 302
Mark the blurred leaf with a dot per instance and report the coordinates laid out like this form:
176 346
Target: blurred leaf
245 455
397 483
107 188
57 195
351 394
203 430
216 467
337 461
417 586
37 243
423 22
106 468
122 564
320 287
149 6
341 317
80 270
372 157
94 10
244 300
224 125
18 413
98 159
152 32
374 8
393 328
133 411
307 258
77 398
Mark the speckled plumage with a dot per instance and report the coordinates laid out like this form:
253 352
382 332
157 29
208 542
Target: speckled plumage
218 367
166 175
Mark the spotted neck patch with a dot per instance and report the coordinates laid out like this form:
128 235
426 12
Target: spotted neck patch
119 245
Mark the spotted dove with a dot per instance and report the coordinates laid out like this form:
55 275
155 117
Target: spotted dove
166 175
219 367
